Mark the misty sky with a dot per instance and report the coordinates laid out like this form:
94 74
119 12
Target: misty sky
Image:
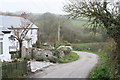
34 6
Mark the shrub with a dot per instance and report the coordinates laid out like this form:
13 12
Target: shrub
57 44
46 44
66 43
27 57
53 59
57 53
15 54
39 58
71 57
37 44
65 49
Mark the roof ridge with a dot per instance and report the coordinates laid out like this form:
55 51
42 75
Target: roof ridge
10 15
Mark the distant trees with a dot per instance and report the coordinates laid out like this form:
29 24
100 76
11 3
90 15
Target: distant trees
48 24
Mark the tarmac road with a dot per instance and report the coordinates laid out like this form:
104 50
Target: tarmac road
77 69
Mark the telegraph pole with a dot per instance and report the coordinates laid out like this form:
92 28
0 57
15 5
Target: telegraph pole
59 31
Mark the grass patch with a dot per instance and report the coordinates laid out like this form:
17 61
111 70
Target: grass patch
86 44
70 58
95 47
79 23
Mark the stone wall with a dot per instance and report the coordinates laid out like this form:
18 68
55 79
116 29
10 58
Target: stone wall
45 53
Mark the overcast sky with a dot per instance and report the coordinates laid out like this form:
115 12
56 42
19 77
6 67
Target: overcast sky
34 6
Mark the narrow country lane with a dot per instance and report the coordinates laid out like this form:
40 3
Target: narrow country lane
77 69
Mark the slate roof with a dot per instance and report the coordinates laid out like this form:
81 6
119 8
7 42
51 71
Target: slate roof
15 21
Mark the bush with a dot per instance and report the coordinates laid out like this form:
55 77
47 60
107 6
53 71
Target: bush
71 57
66 43
53 59
27 57
46 44
15 54
57 53
65 49
37 44
57 44
39 58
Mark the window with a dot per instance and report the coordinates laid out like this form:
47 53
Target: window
1 48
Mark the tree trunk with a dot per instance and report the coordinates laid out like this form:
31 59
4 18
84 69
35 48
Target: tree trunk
20 48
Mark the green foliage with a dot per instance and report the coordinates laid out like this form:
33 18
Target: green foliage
104 70
69 58
15 54
46 44
60 43
27 57
37 44
66 43
57 44
66 50
56 52
53 59
39 58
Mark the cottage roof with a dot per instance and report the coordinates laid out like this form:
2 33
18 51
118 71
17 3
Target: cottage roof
15 21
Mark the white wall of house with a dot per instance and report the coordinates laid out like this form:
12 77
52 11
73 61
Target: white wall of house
6 56
32 35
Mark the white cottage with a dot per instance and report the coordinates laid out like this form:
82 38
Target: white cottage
8 41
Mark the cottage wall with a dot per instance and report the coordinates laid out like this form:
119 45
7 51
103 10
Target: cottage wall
5 56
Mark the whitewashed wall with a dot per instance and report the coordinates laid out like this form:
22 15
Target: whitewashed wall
6 56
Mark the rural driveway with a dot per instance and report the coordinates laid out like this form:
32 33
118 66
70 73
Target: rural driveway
77 69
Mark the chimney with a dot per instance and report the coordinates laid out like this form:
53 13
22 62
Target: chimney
24 15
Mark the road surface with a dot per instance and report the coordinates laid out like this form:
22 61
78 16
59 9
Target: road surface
77 69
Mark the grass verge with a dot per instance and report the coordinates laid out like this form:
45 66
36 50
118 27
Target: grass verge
104 70
70 58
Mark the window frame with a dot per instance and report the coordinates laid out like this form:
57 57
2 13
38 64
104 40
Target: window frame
1 47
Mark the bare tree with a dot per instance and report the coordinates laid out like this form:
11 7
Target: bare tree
102 14
21 32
